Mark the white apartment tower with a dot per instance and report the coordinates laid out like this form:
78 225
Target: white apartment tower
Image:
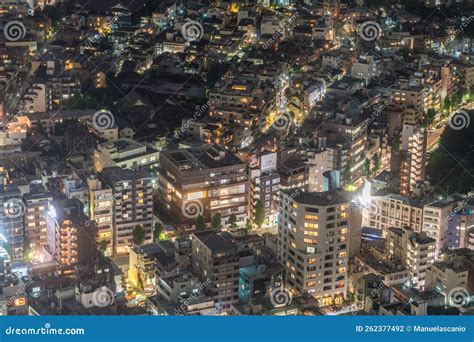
313 243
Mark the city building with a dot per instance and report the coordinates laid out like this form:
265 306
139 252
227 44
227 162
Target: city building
101 211
215 260
313 244
124 153
413 147
415 251
436 217
11 219
36 224
71 238
206 180
445 276
392 210
132 205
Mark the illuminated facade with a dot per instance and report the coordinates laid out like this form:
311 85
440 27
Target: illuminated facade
70 237
132 205
125 153
11 219
313 244
101 206
215 261
36 225
413 147
393 210
204 181
415 251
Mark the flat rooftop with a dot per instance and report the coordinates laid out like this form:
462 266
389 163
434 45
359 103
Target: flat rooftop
203 157
215 241
318 198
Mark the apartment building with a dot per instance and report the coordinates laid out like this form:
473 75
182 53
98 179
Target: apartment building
350 132
293 174
36 224
132 205
124 153
460 227
237 100
333 59
204 181
70 236
101 210
215 261
106 133
320 162
366 67
415 251
142 269
265 185
11 219
313 244
444 276
436 216
418 97
59 83
413 147
393 210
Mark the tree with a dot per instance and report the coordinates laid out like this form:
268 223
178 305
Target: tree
216 221
200 223
346 174
233 220
139 235
157 230
430 117
457 98
367 167
259 213
447 104
102 246
457 145
376 161
27 252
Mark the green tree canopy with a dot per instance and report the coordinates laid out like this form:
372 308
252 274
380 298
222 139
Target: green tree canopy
200 223
216 221
259 213
139 234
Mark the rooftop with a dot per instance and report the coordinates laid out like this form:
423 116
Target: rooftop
318 198
216 242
